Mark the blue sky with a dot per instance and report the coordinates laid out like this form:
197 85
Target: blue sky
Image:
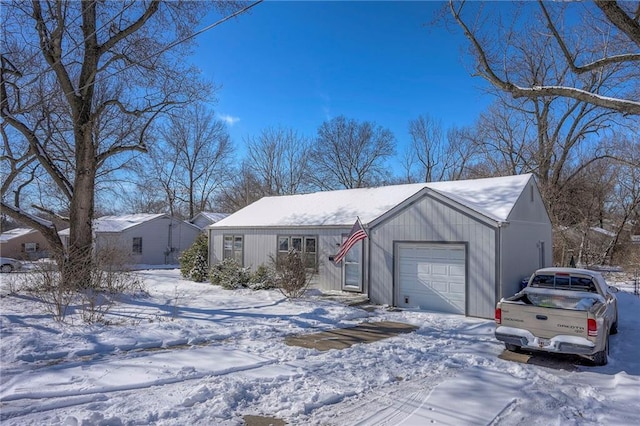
297 64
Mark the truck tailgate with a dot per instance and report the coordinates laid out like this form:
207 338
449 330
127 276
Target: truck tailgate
545 322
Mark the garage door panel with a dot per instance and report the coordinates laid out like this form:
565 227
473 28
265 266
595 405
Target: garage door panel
440 269
456 271
457 288
432 277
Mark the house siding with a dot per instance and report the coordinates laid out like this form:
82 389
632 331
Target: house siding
431 221
529 227
260 245
14 247
162 244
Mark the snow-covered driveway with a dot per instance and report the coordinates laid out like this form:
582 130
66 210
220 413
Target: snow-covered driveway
195 354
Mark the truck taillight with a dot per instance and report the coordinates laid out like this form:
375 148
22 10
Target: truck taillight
498 316
592 327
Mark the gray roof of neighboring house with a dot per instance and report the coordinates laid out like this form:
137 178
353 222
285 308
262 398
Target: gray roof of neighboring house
15 233
123 222
212 216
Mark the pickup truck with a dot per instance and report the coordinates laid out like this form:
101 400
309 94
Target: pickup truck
561 310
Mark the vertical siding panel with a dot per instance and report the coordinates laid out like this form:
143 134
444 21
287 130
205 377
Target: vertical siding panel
260 245
431 221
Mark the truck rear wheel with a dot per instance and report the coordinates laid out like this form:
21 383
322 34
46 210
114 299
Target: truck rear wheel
511 347
600 358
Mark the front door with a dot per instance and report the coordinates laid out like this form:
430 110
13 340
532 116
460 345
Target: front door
352 269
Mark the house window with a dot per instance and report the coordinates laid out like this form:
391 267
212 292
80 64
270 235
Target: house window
137 245
307 246
233 245
30 247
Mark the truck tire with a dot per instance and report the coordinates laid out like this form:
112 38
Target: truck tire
511 347
600 358
614 327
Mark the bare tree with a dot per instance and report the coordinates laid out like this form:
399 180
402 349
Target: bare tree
435 155
243 189
603 41
428 146
81 83
349 154
279 158
625 196
554 137
193 159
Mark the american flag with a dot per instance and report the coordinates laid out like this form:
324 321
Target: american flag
357 233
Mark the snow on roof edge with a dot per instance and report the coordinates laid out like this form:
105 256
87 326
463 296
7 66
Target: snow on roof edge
491 197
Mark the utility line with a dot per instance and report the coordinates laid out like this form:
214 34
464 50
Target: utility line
159 52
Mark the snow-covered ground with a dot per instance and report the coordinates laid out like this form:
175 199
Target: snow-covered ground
191 353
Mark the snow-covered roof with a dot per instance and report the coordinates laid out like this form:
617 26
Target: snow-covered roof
603 231
212 216
491 197
15 233
119 223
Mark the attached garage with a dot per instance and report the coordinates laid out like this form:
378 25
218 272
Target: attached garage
452 247
431 276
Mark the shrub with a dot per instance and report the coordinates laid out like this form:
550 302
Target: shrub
193 261
292 277
262 278
229 274
108 280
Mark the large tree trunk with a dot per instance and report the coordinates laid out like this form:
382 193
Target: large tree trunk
77 265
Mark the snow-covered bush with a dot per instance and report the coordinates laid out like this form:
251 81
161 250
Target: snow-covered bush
262 278
193 261
229 274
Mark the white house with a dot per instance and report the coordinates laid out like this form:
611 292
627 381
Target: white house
453 247
149 239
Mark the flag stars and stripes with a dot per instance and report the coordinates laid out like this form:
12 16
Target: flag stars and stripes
357 233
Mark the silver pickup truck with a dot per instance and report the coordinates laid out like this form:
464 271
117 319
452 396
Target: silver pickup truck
562 310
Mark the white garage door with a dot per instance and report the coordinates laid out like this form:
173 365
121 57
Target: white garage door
431 277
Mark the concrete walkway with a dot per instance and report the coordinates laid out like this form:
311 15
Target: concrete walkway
345 337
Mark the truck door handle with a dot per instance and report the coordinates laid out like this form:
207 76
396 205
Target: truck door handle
541 317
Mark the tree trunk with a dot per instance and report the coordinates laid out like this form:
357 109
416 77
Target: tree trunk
76 269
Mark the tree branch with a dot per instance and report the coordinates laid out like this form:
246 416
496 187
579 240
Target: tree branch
122 34
579 69
620 19
624 106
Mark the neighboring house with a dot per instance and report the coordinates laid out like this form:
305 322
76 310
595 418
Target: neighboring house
445 246
23 244
204 219
148 239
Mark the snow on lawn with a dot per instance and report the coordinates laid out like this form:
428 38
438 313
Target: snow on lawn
193 353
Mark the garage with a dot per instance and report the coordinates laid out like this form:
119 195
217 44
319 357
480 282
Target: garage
431 276
451 247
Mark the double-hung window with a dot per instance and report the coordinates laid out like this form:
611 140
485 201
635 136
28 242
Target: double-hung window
137 245
233 246
307 246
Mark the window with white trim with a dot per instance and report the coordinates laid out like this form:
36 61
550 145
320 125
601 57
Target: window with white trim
307 246
233 246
